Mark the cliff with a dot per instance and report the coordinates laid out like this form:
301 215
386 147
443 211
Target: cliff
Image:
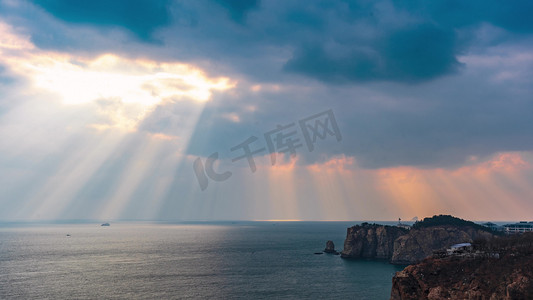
402 246
420 243
371 241
474 275
510 277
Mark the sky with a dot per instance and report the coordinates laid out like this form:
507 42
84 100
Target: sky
266 110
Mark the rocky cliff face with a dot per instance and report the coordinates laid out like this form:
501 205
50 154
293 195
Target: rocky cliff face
402 246
510 277
420 243
371 241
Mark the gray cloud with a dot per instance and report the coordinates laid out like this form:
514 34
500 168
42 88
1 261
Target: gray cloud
411 55
441 124
329 41
139 17
391 70
238 10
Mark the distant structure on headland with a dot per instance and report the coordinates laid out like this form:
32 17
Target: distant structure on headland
401 225
459 248
519 227
493 226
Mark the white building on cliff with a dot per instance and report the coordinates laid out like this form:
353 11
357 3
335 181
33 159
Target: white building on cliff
519 227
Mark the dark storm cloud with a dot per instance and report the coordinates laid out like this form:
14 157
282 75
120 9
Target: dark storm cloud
342 42
138 16
412 54
238 9
514 16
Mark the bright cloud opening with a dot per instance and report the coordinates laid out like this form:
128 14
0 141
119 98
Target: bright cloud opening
135 86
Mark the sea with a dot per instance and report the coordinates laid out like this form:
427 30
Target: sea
190 260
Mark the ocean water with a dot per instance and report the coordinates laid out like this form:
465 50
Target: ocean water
228 260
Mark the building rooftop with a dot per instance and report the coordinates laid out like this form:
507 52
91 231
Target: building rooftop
489 224
521 224
461 245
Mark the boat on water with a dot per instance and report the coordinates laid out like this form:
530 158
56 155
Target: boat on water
105 224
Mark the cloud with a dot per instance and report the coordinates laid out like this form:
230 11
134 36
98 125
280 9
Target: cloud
440 123
122 90
333 42
140 17
511 16
237 9
422 91
409 55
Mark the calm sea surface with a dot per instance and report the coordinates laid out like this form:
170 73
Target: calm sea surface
247 260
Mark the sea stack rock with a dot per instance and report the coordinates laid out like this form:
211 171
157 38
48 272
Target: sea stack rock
330 247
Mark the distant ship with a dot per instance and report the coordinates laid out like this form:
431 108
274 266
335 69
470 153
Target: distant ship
105 224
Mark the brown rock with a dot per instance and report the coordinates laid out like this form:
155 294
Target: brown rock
371 241
466 278
330 247
420 243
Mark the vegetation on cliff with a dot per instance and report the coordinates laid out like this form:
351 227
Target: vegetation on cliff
507 276
518 244
448 220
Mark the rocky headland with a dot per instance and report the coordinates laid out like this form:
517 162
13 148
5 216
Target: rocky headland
420 243
499 268
371 241
403 246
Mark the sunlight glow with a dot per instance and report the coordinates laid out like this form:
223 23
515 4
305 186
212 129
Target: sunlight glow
125 89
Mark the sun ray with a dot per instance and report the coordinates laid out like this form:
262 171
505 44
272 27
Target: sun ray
73 171
105 97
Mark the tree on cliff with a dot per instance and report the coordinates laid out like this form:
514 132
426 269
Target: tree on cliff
441 220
